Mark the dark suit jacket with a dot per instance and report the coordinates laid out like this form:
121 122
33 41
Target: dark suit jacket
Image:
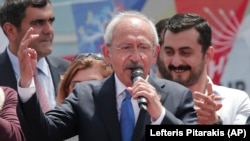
57 67
91 112
10 129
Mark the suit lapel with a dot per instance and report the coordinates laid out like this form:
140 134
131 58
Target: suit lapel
106 101
55 77
140 128
144 117
159 84
7 74
54 73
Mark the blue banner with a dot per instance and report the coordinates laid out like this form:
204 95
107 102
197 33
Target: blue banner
91 19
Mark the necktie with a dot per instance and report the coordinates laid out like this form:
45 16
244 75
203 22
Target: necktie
127 118
43 99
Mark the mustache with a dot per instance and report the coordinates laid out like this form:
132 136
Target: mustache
132 65
181 67
46 37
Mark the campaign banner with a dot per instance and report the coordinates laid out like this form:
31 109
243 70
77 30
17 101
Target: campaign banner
91 19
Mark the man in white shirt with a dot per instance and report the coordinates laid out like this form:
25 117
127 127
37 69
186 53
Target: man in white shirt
184 56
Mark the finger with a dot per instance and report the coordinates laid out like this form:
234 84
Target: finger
200 96
142 88
32 54
218 107
28 38
209 88
33 57
27 34
205 106
209 100
196 95
216 98
26 43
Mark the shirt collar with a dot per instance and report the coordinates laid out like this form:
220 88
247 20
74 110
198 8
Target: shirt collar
120 87
43 66
14 62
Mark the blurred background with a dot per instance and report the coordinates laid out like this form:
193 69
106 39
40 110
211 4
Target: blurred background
80 24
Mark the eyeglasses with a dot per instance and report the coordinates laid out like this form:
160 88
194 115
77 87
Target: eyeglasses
97 56
145 49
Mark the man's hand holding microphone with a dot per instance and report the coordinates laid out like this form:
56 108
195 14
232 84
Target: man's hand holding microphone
146 95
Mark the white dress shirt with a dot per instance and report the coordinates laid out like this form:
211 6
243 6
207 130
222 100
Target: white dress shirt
42 64
235 104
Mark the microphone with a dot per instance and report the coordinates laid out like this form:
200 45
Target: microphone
137 73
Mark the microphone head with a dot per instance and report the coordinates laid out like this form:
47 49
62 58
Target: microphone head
136 73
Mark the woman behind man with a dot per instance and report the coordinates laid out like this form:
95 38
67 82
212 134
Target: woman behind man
84 66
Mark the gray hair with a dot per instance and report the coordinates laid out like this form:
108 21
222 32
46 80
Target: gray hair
117 18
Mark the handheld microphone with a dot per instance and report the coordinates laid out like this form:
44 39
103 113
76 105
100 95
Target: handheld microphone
137 73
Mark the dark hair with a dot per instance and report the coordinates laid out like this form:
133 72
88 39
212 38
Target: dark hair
183 21
13 11
160 26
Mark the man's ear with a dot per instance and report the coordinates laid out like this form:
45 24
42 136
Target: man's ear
106 53
156 53
10 31
209 54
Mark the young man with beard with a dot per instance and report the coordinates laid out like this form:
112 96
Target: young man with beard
184 57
